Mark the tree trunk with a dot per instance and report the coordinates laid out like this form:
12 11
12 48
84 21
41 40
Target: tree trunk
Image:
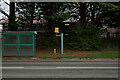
11 25
32 15
50 26
92 14
83 12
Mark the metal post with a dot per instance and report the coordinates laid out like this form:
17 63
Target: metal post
3 44
33 43
61 43
18 45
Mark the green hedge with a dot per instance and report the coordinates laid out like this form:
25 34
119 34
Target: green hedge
85 36
46 40
110 44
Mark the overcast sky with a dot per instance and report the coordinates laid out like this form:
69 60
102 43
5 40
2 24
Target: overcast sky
4 7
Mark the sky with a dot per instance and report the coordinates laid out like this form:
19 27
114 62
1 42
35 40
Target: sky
4 7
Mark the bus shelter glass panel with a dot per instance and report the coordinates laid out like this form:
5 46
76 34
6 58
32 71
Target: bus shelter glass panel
10 50
26 39
25 50
10 39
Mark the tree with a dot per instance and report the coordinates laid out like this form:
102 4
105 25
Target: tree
110 14
11 16
53 13
32 14
83 12
26 13
11 25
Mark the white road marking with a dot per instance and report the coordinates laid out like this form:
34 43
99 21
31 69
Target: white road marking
40 68
59 67
11 67
88 67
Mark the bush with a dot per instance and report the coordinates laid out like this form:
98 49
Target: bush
110 44
46 40
85 36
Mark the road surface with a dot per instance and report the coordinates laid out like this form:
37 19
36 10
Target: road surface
60 69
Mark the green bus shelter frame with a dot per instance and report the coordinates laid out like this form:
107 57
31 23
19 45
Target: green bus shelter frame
18 34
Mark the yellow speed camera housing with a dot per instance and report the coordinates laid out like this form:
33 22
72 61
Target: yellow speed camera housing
56 30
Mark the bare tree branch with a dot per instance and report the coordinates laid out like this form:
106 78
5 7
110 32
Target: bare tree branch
6 2
4 13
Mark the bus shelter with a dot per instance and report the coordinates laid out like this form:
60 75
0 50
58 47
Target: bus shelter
18 43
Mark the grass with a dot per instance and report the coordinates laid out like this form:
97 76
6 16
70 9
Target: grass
99 55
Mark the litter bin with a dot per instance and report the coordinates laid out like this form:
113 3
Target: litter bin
18 43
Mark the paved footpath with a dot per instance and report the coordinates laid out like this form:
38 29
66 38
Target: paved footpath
0 54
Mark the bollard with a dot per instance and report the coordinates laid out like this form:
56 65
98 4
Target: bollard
55 51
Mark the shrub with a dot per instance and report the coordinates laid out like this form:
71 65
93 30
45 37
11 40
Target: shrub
85 37
47 40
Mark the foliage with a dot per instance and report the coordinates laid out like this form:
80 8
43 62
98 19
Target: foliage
24 11
54 11
48 41
109 13
110 44
85 37
57 12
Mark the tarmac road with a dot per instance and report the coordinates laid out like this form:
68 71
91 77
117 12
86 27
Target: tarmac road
60 69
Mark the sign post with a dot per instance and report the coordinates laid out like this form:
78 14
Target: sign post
61 43
57 31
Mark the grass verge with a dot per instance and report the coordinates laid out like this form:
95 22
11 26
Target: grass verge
99 55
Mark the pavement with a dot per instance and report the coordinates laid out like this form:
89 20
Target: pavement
0 44
60 69
0 53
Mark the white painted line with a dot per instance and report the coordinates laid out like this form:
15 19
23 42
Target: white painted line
60 67
40 68
11 67
87 67
70 67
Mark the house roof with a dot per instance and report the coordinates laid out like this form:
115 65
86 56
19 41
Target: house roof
42 20
34 21
5 21
71 19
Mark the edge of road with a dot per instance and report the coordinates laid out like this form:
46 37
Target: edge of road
63 60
